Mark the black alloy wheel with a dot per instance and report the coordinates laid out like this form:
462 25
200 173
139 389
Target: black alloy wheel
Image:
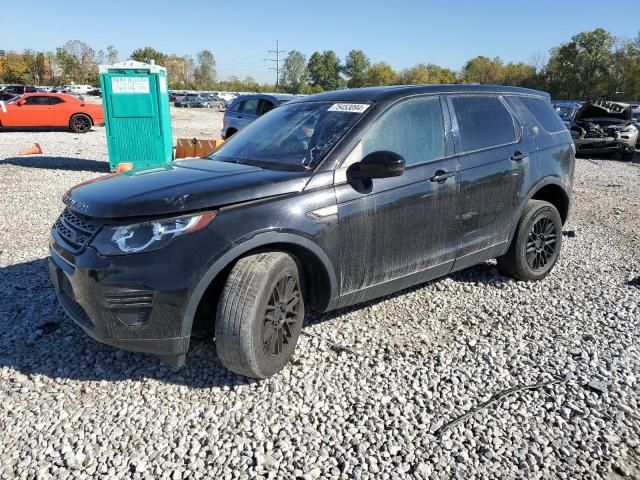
541 244
281 315
80 123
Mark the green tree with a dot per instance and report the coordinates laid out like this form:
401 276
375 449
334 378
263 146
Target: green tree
416 75
355 67
519 75
581 68
205 71
147 54
294 75
483 70
13 68
324 70
35 63
381 73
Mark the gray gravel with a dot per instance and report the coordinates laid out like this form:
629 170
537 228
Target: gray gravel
377 408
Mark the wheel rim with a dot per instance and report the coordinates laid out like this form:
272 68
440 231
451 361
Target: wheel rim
281 316
541 243
81 123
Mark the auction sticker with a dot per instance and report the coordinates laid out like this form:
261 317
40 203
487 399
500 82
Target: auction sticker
130 85
348 107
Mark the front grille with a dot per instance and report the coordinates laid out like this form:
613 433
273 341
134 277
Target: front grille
75 230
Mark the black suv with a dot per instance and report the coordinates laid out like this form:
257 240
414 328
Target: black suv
326 201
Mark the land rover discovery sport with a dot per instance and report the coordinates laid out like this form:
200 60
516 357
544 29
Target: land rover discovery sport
327 201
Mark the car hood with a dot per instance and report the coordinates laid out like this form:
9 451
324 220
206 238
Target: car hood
604 110
179 186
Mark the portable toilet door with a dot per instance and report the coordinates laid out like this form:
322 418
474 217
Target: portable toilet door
137 115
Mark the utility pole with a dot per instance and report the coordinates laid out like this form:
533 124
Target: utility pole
277 53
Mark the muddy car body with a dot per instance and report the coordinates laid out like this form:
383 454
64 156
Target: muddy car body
325 202
604 127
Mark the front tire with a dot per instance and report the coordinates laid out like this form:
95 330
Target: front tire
260 315
80 123
536 244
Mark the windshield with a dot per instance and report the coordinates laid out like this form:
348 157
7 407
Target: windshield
295 136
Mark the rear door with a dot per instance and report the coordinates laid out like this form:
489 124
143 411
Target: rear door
494 161
265 106
36 111
400 228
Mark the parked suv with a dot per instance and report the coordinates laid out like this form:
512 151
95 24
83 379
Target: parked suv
330 200
245 109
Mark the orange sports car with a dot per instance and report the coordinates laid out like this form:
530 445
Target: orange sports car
50 110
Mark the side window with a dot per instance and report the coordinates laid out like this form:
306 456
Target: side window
37 101
483 121
250 106
237 107
413 129
265 106
544 113
56 100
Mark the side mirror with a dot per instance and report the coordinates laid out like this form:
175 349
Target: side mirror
380 164
21 102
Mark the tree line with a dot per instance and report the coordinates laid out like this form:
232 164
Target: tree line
590 65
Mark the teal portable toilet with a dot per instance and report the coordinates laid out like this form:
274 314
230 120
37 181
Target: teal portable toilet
136 112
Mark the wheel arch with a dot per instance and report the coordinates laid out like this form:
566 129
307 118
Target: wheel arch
556 195
550 190
319 278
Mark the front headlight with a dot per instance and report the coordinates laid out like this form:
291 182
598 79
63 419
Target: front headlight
148 236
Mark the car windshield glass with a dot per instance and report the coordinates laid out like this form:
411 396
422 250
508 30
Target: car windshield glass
293 137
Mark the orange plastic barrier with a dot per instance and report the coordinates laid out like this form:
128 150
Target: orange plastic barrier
193 147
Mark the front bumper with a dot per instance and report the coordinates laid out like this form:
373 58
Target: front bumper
604 145
127 302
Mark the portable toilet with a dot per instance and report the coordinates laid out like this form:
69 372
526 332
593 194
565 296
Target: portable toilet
136 112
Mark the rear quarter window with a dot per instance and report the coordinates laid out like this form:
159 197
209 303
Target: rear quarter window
483 122
543 113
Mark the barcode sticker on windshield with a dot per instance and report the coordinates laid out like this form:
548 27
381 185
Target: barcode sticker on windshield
348 107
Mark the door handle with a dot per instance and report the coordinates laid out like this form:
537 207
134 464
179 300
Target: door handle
518 155
441 176
239 116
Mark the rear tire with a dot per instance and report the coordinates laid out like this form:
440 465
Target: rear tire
80 123
260 315
536 244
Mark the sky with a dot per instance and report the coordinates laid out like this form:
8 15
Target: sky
240 33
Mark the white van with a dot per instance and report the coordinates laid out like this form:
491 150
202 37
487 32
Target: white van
78 89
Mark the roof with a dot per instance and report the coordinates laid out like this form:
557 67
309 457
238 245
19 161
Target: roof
132 65
377 94
272 96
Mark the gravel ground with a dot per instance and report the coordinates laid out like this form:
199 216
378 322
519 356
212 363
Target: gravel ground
371 391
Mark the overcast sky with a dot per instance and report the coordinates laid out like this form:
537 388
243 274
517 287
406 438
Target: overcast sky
399 32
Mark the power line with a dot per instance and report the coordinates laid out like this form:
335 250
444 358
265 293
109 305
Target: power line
277 53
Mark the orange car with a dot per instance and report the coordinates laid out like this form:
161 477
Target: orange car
50 110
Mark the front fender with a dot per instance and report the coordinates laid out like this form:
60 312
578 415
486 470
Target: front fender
260 240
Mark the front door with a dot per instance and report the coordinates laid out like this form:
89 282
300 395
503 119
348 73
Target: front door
400 231
247 112
36 111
